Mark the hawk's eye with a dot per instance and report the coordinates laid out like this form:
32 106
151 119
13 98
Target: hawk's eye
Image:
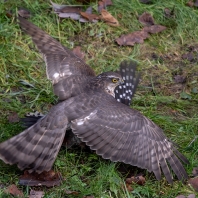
114 80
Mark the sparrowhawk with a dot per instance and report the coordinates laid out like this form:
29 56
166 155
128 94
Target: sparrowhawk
88 103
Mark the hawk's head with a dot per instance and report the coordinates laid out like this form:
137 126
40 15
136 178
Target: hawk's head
109 81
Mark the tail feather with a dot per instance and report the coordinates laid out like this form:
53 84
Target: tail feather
30 119
37 147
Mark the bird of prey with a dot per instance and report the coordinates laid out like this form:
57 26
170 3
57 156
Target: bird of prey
88 103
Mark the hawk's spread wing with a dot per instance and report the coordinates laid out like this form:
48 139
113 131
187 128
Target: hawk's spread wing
125 92
36 148
68 72
61 63
122 134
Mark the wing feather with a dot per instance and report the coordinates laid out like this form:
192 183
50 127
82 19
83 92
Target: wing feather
61 63
131 138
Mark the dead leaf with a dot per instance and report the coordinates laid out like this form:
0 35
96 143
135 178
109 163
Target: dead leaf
169 13
181 196
75 13
189 56
146 19
90 17
36 194
140 180
195 172
71 9
129 187
194 183
24 13
154 29
46 178
103 4
77 51
89 196
180 79
190 3
129 180
89 10
108 18
58 8
87 16
191 196
132 38
73 16
67 11
13 117
13 190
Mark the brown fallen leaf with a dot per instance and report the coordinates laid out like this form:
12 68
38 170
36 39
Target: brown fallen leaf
13 190
180 196
89 196
154 29
194 183
75 13
46 178
89 10
129 180
190 3
90 17
77 51
73 16
13 117
129 187
146 19
58 8
24 13
191 196
190 56
169 13
195 172
71 9
179 79
108 18
140 180
132 38
103 4
67 11
36 194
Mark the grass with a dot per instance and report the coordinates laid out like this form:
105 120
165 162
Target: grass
158 96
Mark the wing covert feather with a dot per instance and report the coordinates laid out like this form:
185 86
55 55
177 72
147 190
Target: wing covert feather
60 61
131 138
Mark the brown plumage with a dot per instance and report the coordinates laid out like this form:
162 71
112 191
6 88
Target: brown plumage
88 103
